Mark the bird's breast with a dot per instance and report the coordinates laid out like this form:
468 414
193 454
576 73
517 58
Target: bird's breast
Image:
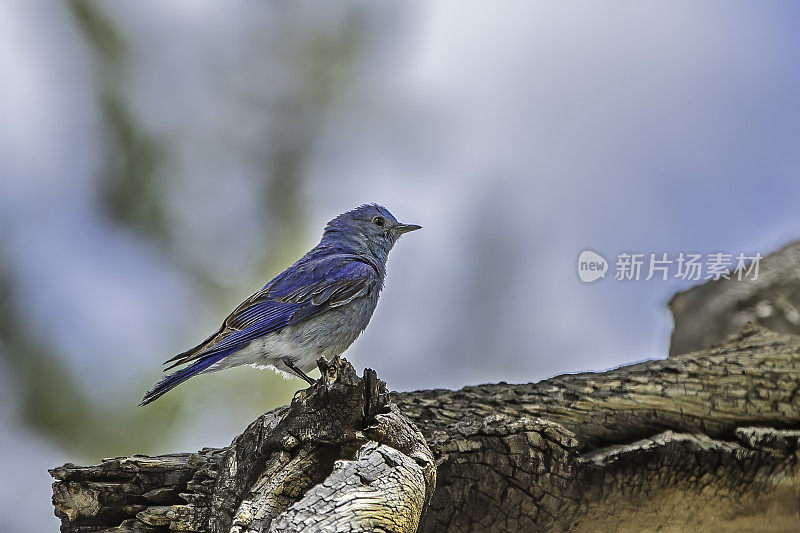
325 335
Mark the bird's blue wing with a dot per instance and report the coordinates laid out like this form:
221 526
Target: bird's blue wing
295 295
291 302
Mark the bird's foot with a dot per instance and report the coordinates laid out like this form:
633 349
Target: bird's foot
293 368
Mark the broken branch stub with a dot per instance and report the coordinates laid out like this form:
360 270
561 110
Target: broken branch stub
341 457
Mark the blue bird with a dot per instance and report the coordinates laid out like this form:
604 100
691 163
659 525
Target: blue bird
315 308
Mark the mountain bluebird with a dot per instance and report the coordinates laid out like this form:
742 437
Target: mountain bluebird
315 308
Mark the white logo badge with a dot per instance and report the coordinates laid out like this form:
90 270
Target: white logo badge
591 266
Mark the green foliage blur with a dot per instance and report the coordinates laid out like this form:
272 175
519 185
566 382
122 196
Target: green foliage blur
50 401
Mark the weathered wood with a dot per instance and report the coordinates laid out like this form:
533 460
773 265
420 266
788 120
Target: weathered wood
701 441
642 446
340 451
710 313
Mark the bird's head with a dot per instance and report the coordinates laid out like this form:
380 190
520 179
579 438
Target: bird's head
370 226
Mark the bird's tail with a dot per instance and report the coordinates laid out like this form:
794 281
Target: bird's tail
176 378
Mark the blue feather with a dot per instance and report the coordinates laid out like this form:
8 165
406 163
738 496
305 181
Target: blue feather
176 378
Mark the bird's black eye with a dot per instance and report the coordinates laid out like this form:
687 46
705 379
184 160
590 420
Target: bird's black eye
379 221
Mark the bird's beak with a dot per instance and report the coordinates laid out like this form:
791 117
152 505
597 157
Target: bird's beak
405 228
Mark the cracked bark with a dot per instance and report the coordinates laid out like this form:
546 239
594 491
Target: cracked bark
707 440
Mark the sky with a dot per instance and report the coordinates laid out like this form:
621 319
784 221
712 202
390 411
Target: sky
517 134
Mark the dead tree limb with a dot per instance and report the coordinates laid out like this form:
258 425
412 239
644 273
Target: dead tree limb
701 441
341 457
710 313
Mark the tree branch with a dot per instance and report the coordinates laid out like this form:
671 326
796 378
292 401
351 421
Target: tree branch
701 440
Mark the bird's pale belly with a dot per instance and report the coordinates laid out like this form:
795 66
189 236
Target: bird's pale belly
325 335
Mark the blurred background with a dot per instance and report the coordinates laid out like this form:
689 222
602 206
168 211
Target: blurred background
160 161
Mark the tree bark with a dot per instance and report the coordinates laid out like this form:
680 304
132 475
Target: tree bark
708 314
707 440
